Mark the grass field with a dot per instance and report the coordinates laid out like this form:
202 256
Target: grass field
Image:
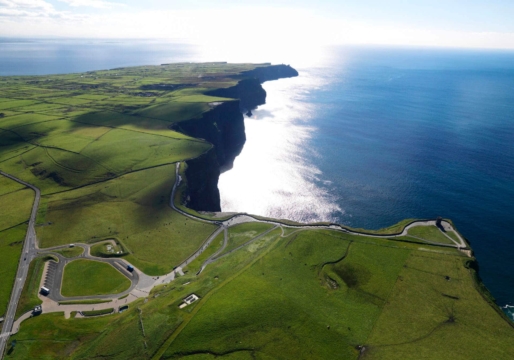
436 318
133 210
86 277
242 233
195 265
7 185
29 298
70 252
15 206
107 249
394 229
97 312
312 294
72 302
431 233
11 244
99 147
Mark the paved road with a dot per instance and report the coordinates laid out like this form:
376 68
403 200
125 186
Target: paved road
29 251
243 218
55 279
142 284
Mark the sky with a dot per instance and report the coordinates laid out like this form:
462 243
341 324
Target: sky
449 23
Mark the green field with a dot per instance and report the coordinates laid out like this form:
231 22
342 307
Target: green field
438 318
15 206
7 185
97 312
72 302
86 277
133 209
101 148
242 233
195 265
70 252
107 249
312 294
29 295
11 244
431 233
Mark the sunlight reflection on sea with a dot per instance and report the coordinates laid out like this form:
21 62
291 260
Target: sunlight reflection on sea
274 175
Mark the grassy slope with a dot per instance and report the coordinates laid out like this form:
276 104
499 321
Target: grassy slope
78 129
430 233
29 298
132 209
70 252
275 299
85 138
242 233
11 244
86 277
380 290
279 297
7 185
100 250
15 206
195 265
435 318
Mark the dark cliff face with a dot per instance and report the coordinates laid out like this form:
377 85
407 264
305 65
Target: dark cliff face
223 126
273 72
202 176
249 90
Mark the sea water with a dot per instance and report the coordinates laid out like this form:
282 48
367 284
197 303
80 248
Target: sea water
364 136
377 135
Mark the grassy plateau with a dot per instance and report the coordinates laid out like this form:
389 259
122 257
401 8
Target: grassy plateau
86 277
100 146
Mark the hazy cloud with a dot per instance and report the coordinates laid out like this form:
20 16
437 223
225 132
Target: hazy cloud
99 4
24 11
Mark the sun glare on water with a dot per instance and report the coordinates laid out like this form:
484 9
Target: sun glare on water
272 176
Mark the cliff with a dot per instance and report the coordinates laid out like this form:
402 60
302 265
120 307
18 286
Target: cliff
273 72
202 176
249 90
223 126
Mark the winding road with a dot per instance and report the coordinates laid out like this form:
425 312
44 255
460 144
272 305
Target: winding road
142 284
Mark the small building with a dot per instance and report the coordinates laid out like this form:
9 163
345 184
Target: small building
188 300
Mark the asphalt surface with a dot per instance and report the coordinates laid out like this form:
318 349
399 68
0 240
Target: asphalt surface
141 284
28 253
53 279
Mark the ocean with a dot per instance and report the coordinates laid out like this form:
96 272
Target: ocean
365 136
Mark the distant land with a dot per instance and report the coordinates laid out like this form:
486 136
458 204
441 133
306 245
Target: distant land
115 246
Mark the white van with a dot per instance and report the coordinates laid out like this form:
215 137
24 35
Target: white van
44 291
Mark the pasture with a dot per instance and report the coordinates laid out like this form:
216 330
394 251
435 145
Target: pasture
86 277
